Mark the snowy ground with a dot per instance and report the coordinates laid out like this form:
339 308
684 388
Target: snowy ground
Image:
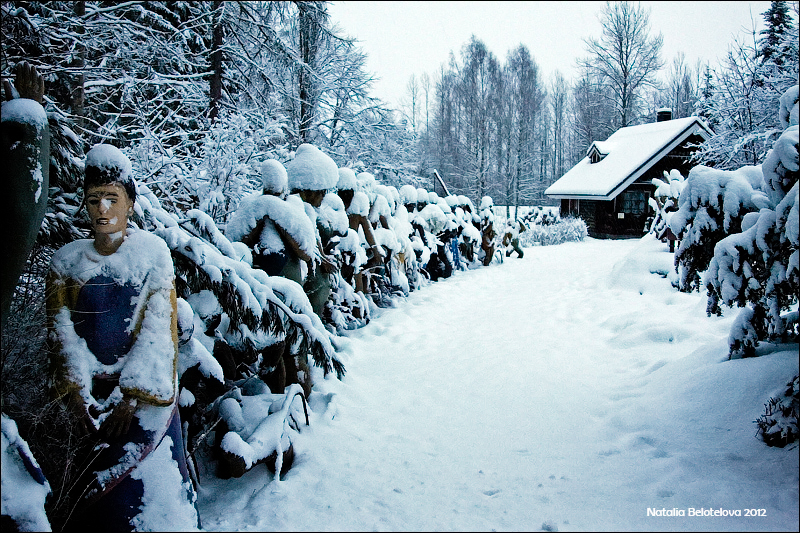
569 390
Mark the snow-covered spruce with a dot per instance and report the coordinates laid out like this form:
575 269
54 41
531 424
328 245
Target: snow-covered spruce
253 302
778 426
759 268
712 205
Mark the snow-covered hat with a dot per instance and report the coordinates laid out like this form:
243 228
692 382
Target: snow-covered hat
422 196
486 203
366 181
274 177
347 179
408 194
386 192
311 170
107 164
394 193
380 208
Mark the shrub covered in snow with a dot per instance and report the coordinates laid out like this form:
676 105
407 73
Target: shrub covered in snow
778 426
570 229
665 201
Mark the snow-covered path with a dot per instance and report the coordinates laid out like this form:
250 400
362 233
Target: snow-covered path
557 391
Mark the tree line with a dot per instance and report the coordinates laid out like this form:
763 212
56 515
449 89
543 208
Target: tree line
503 128
196 92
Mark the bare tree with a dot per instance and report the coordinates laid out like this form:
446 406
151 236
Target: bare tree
681 89
425 85
626 59
411 101
559 92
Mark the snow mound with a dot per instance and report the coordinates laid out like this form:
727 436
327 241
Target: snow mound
359 205
347 179
25 111
408 194
24 488
644 269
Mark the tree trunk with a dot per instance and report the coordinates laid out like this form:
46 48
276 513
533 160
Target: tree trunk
309 35
215 87
78 96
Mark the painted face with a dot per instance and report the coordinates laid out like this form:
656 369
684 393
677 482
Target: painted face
312 197
109 208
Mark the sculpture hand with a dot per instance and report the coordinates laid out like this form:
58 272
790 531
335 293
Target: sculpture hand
29 83
85 422
328 264
119 421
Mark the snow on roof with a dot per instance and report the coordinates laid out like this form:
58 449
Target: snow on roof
631 151
603 147
312 170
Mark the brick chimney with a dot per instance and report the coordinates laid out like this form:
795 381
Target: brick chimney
665 113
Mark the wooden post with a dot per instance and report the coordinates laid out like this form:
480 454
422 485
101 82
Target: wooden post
441 182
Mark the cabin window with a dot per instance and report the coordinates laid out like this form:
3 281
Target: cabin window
574 207
633 202
595 156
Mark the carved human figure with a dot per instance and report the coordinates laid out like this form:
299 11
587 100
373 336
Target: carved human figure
112 321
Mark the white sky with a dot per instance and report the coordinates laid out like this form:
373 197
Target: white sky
404 38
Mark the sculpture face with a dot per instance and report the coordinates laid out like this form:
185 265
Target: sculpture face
109 208
312 197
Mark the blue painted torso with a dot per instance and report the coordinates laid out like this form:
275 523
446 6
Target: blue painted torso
103 315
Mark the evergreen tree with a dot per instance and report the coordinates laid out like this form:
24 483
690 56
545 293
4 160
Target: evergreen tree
778 26
759 268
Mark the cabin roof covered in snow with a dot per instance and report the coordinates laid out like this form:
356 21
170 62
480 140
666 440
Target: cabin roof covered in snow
627 154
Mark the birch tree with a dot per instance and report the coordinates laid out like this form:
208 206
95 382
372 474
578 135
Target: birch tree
625 58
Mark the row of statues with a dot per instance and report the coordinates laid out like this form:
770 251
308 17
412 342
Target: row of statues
117 329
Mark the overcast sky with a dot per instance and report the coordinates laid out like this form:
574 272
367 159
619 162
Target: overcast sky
404 38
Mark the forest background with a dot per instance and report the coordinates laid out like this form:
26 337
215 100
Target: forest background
197 93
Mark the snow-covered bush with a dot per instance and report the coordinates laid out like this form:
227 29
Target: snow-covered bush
543 216
778 426
759 268
228 170
712 205
570 229
665 201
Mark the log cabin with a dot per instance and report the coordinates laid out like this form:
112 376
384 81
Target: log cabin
610 187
